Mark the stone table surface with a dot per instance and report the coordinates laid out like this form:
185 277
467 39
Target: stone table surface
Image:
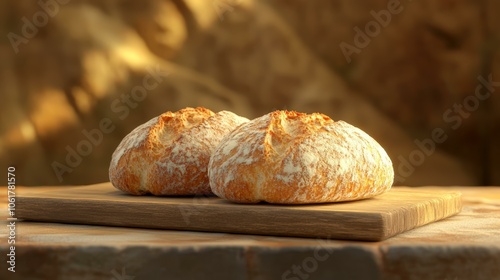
465 246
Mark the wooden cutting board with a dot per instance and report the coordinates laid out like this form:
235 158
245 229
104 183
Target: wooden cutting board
372 219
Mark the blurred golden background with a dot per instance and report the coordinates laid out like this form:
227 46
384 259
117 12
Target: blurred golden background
422 77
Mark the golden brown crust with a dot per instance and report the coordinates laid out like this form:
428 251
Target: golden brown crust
293 158
169 154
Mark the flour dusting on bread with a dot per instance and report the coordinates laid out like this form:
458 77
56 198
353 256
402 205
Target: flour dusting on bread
133 140
169 154
290 157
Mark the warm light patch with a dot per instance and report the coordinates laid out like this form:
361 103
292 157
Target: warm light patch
19 135
83 100
28 132
210 12
51 112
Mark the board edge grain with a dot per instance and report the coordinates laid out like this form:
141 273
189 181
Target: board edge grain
393 218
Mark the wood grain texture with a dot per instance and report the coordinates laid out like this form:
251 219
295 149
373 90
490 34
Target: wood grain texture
372 219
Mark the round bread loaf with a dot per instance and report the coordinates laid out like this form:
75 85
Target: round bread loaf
295 158
169 154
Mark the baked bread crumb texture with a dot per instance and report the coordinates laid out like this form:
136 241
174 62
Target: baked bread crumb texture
283 157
